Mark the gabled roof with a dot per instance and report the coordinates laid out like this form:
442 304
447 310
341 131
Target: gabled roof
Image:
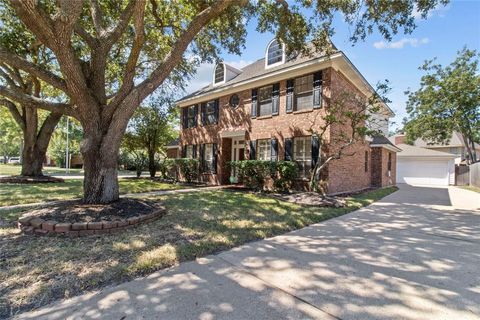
252 71
174 143
382 141
412 151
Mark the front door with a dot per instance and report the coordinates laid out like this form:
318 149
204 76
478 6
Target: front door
238 152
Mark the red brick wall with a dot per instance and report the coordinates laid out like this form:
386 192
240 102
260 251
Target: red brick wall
347 173
173 153
380 174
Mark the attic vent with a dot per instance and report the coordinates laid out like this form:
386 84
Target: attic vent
219 75
275 54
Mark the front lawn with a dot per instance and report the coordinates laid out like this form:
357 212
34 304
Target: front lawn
14 169
37 270
11 194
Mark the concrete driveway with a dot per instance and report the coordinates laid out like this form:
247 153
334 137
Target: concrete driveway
413 255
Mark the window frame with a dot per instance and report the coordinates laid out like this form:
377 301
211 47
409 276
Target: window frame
306 93
189 149
305 166
212 113
215 73
389 162
268 99
280 47
192 117
366 160
264 145
208 164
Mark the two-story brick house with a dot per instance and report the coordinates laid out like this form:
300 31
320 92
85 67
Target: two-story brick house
267 111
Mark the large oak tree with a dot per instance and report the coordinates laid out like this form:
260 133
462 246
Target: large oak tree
111 55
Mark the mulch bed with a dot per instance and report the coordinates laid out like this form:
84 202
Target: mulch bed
76 211
30 180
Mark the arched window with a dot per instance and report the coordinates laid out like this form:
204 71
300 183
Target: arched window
275 53
219 73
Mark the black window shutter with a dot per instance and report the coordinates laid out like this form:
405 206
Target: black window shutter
317 90
184 151
315 150
194 151
274 150
202 157
275 98
289 95
253 144
184 118
195 112
253 111
217 103
203 112
214 162
288 149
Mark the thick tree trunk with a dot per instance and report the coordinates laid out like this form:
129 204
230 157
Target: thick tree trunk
32 160
152 168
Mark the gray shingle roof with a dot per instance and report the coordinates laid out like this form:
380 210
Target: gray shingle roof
254 70
412 151
381 140
174 143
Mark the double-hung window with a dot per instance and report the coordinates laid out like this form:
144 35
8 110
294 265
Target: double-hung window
189 152
264 149
210 114
191 117
304 92
208 158
302 154
265 101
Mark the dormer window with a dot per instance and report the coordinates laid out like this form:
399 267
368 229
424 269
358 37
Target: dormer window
219 75
275 54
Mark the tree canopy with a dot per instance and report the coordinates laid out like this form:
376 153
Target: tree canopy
109 56
448 100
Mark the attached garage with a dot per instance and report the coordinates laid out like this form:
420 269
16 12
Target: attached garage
420 166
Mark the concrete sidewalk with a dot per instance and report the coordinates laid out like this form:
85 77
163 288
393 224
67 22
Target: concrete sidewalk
412 255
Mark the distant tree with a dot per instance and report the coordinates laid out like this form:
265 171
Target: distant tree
36 125
448 100
349 119
152 127
10 136
112 55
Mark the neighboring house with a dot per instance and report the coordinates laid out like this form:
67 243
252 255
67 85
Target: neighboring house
455 146
266 111
173 150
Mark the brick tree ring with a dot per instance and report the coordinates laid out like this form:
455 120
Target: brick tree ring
38 225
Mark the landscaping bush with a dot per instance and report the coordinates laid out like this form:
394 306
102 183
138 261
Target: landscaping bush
286 173
254 173
188 168
167 169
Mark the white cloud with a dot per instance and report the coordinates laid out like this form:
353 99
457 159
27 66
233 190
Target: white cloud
204 74
414 42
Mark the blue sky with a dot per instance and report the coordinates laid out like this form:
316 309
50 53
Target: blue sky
442 34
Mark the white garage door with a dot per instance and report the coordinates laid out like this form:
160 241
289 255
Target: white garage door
423 172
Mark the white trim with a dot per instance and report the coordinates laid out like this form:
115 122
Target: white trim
172 147
268 66
232 133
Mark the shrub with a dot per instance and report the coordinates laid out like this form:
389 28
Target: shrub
167 169
188 168
286 173
254 173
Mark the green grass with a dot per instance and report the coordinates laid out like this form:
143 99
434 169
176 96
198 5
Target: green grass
471 188
12 194
11 169
37 270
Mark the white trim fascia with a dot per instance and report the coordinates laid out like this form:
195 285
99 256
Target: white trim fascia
429 157
281 74
233 133
172 147
386 146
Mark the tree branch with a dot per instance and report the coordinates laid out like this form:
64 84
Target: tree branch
92 42
47 129
27 66
97 17
146 87
38 103
114 34
14 112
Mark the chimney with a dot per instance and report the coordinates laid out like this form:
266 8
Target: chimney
400 139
